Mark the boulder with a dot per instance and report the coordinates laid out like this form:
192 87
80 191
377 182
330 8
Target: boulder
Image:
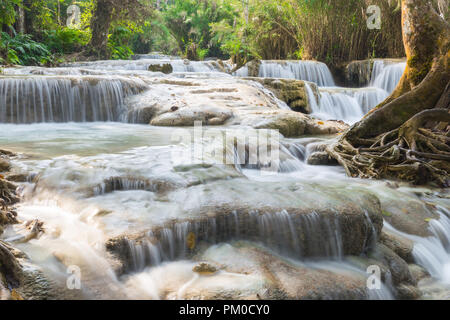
291 91
253 68
289 124
417 272
10 269
406 213
165 68
320 127
4 165
398 267
358 73
321 158
208 115
401 246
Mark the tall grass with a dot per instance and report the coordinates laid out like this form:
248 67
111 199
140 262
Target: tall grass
333 31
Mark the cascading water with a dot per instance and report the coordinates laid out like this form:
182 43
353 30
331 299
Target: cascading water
433 252
300 236
386 74
112 188
65 99
349 104
312 71
178 65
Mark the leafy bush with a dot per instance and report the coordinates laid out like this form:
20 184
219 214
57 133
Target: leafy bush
65 40
23 50
189 22
118 43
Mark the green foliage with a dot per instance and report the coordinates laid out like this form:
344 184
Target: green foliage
189 22
65 40
332 31
118 43
21 49
7 11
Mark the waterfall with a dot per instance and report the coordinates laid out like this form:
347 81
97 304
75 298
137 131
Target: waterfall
309 235
334 105
178 65
345 104
386 74
65 99
433 253
369 98
312 71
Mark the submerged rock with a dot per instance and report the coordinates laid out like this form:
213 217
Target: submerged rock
204 268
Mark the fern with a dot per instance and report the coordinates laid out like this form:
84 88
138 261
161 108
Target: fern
21 49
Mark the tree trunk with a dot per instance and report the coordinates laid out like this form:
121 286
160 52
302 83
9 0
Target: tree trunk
28 16
101 22
385 144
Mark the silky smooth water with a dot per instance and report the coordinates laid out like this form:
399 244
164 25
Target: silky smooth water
93 181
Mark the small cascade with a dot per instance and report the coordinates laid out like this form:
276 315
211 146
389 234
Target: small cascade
178 65
345 104
334 105
65 99
131 183
386 74
154 55
312 71
310 236
369 98
433 253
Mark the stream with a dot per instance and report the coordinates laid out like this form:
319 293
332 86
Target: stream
135 211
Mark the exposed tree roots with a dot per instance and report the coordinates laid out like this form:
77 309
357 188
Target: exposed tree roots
7 194
418 151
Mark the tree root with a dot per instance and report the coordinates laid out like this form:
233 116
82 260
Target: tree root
411 152
7 193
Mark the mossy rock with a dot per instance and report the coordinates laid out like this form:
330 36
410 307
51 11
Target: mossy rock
165 68
291 91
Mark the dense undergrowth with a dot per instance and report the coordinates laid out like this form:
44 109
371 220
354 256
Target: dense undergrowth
334 31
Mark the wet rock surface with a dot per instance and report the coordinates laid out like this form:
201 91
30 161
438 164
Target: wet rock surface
164 68
311 231
321 158
291 91
227 102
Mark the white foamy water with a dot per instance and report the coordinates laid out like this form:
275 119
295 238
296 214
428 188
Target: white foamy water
91 181
386 74
312 71
31 99
178 65
433 253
